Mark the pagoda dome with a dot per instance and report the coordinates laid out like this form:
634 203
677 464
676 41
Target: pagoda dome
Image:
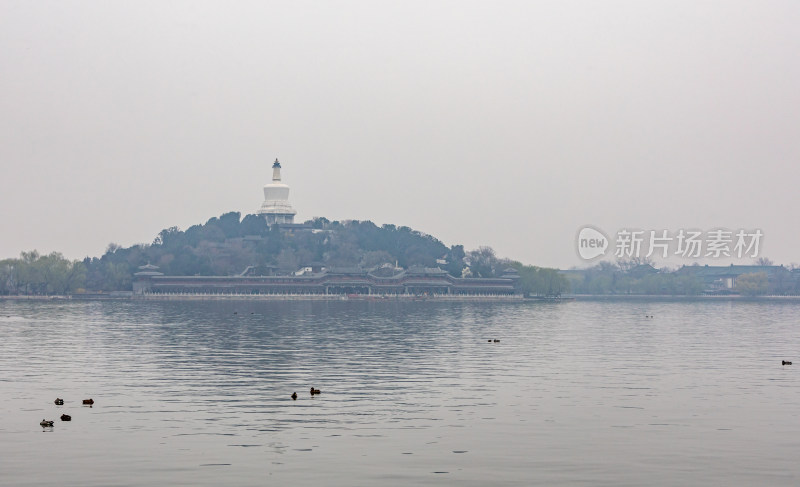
276 207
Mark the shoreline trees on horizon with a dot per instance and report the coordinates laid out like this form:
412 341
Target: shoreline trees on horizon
228 245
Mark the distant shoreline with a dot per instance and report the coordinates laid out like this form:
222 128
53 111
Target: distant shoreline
325 297
274 297
516 298
679 297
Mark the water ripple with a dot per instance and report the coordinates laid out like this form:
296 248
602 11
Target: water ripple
577 393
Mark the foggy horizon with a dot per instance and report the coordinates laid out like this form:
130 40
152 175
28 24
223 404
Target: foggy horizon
511 125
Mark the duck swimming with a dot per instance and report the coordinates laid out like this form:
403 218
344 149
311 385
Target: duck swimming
315 391
294 395
59 401
88 401
65 417
45 423
785 362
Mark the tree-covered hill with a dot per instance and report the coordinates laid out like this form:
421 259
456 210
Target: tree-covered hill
232 245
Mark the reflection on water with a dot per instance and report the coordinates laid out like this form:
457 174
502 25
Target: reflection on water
411 393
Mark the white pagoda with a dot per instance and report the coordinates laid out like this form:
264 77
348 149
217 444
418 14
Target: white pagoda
276 207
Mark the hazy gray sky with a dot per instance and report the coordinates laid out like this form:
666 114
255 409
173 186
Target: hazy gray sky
509 124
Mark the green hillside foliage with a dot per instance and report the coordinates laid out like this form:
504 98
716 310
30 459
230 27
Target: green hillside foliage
231 245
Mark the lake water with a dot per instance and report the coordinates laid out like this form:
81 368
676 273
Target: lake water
575 393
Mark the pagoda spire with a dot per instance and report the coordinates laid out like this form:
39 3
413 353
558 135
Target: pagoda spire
276 170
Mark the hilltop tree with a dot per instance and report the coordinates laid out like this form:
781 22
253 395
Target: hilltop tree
483 262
